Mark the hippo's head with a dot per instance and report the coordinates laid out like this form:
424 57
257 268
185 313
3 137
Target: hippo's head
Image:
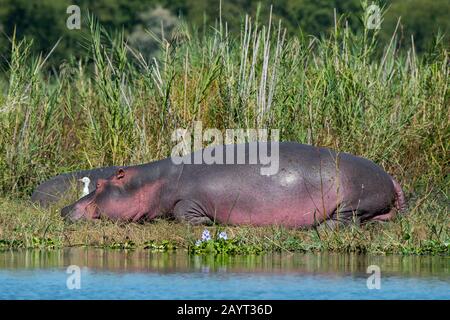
121 196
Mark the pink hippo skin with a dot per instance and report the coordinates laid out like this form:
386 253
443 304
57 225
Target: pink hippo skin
312 185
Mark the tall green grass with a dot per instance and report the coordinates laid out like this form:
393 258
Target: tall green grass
117 107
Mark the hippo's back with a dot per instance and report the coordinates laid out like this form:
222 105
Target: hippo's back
307 183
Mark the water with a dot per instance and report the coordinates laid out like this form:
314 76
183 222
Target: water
139 274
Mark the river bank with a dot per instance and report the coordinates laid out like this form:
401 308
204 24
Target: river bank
424 229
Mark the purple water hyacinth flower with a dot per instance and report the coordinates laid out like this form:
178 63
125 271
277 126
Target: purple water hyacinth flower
205 235
223 235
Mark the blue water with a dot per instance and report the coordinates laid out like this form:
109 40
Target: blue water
118 275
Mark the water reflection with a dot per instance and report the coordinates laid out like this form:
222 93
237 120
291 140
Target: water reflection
122 261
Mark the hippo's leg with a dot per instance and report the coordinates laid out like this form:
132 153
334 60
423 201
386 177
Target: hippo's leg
343 217
348 215
385 217
191 212
333 224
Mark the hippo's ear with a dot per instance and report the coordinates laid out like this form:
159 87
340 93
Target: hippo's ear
120 173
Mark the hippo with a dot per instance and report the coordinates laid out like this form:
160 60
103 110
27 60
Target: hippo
312 185
53 190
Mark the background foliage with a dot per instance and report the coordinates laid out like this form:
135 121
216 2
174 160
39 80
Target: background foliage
44 20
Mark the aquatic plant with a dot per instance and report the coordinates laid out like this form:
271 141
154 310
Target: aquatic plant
223 235
163 245
205 235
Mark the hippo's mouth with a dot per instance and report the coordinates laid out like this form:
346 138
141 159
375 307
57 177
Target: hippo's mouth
68 213
93 211
65 212
83 208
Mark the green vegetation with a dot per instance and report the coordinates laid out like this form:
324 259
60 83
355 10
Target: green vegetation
115 107
423 231
44 21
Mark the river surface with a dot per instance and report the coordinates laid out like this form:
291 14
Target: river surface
81 273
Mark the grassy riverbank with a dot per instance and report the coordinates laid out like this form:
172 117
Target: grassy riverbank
425 230
111 106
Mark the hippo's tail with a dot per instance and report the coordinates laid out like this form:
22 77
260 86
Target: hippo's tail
400 201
